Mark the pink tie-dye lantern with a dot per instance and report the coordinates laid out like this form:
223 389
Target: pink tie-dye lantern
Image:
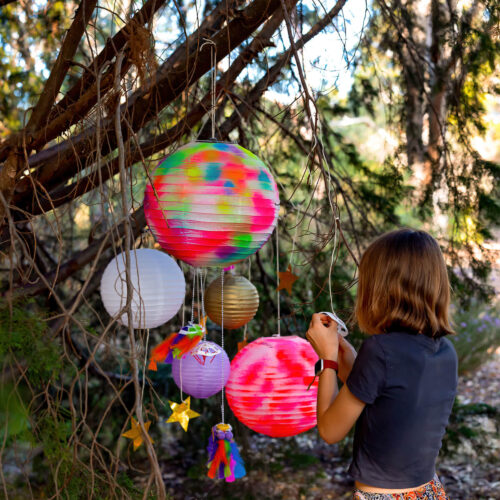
211 204
267 387
202 372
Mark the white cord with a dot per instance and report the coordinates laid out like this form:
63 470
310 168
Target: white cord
192 298
278 279
245 329
180 373
222 344
213 79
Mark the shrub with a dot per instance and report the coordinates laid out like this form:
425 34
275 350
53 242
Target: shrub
478 334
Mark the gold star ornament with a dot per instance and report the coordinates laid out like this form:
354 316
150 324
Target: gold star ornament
286 280
182 413
136 434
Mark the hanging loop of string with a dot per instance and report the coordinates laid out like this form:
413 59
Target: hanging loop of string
213 79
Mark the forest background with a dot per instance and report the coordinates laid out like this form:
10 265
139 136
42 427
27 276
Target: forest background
370 116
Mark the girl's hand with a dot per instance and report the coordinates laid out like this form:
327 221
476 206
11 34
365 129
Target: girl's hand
324 339
347 355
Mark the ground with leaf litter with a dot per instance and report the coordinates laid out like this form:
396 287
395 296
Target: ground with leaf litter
304 467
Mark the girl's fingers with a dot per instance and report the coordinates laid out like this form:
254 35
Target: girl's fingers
341 343
316 319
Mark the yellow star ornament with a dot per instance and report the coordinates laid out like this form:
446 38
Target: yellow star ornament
136 434
182 413
286 280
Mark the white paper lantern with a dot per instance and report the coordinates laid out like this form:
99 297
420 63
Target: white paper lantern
158 287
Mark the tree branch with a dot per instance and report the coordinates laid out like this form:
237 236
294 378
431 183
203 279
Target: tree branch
65 194
61 66
60 163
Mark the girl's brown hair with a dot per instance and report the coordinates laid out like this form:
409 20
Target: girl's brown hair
403 284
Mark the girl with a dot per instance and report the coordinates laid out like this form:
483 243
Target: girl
400 387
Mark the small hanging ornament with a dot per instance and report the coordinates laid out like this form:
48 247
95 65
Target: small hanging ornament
241 301
203 371
286 280
182 413
224 460
135 433
177 344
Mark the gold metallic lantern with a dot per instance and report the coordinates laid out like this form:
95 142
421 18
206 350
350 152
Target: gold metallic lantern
241 301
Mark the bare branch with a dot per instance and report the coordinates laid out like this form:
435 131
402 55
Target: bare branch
58 164
61 66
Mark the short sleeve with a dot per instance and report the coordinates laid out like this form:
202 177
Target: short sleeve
367 377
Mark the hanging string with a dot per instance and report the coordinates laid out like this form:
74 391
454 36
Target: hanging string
203 284
203 281
222 342
292 254
213 62
180 373
332 262
245 329
192 298
213 79
183 312
198 280
278 280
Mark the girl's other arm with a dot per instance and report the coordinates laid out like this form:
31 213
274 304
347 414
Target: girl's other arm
347 355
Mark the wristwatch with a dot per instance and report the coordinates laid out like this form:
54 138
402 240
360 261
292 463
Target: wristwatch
321 365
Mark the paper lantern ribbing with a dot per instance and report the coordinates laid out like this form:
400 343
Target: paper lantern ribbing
241 301
267 386
205 370
211 204
158 287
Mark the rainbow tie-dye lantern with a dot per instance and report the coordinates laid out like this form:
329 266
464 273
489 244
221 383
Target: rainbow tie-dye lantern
267 389
211 204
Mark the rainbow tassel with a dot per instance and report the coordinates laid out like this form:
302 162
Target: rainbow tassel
177 344
224 460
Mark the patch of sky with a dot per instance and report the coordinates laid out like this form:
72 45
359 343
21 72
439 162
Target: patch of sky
327 58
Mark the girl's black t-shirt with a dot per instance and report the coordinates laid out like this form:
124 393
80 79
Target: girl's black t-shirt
408 382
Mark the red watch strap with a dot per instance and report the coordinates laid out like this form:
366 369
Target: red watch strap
328 363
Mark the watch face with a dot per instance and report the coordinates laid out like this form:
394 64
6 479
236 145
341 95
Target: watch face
318 367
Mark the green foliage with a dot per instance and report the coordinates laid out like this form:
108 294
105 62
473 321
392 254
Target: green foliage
478 334
14 415
24 336
460 425
390 87
300 460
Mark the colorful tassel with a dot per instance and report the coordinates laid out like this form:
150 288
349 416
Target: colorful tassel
177 344
224 460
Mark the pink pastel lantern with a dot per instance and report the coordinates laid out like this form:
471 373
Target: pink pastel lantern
211 204
202 372
267 387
